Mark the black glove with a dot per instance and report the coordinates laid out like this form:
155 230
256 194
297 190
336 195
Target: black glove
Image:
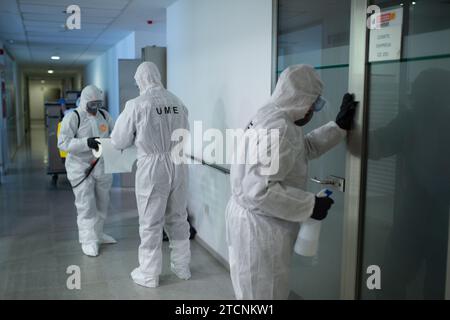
92 143
321 208
348 108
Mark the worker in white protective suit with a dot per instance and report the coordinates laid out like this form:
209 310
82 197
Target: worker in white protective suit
148 122
264 213
91 186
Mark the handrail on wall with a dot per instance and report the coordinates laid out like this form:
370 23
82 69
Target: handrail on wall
214 166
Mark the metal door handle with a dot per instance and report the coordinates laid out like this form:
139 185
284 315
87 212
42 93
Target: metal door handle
337 182
324 182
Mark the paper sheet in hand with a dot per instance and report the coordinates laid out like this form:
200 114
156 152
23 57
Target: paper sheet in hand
116 161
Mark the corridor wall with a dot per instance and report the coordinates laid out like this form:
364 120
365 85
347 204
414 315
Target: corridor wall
104 71
219 64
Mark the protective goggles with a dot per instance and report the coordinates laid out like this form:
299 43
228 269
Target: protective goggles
319 104
95 105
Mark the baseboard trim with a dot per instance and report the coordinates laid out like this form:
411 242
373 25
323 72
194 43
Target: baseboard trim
213 252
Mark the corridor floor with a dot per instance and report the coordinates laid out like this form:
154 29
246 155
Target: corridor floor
38 242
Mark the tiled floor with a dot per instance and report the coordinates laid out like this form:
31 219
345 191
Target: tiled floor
38 241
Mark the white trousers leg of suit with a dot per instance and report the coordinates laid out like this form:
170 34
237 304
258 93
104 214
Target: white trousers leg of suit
161 199
176 225
91 201
260 252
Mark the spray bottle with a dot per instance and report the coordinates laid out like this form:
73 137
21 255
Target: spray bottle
307 243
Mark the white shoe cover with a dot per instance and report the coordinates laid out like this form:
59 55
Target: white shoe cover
145 281
107 239
184 273
90 249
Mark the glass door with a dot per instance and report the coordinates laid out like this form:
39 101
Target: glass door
317 33
407 191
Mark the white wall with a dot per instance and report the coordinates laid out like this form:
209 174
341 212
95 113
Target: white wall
19 105
37 91
78 81
219 64
2 134
104 72
12 124
146 38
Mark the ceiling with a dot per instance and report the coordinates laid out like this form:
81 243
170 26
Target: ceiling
33 30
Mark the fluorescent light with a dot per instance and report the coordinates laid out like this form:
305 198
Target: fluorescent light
50 71
55 57
414 3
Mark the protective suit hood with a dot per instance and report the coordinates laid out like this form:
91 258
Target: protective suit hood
147 76
90 93
297 89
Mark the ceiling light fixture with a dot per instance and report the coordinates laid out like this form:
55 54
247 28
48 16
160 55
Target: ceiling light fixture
55 57
50 71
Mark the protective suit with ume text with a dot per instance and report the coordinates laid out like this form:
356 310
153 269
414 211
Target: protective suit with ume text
264 213
78 130
148 122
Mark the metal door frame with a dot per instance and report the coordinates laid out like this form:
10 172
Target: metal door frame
447 282
356 161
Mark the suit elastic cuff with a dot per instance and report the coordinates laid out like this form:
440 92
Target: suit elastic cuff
340 130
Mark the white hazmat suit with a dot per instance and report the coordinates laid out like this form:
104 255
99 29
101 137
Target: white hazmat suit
264 213
92 195
148 122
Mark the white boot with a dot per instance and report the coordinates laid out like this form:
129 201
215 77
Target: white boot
180 257
107 239
145 281
184 273
90 249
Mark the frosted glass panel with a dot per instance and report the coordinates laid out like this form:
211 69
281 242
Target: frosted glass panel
317 33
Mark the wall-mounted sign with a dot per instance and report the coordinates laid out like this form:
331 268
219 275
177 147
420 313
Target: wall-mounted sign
386 39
